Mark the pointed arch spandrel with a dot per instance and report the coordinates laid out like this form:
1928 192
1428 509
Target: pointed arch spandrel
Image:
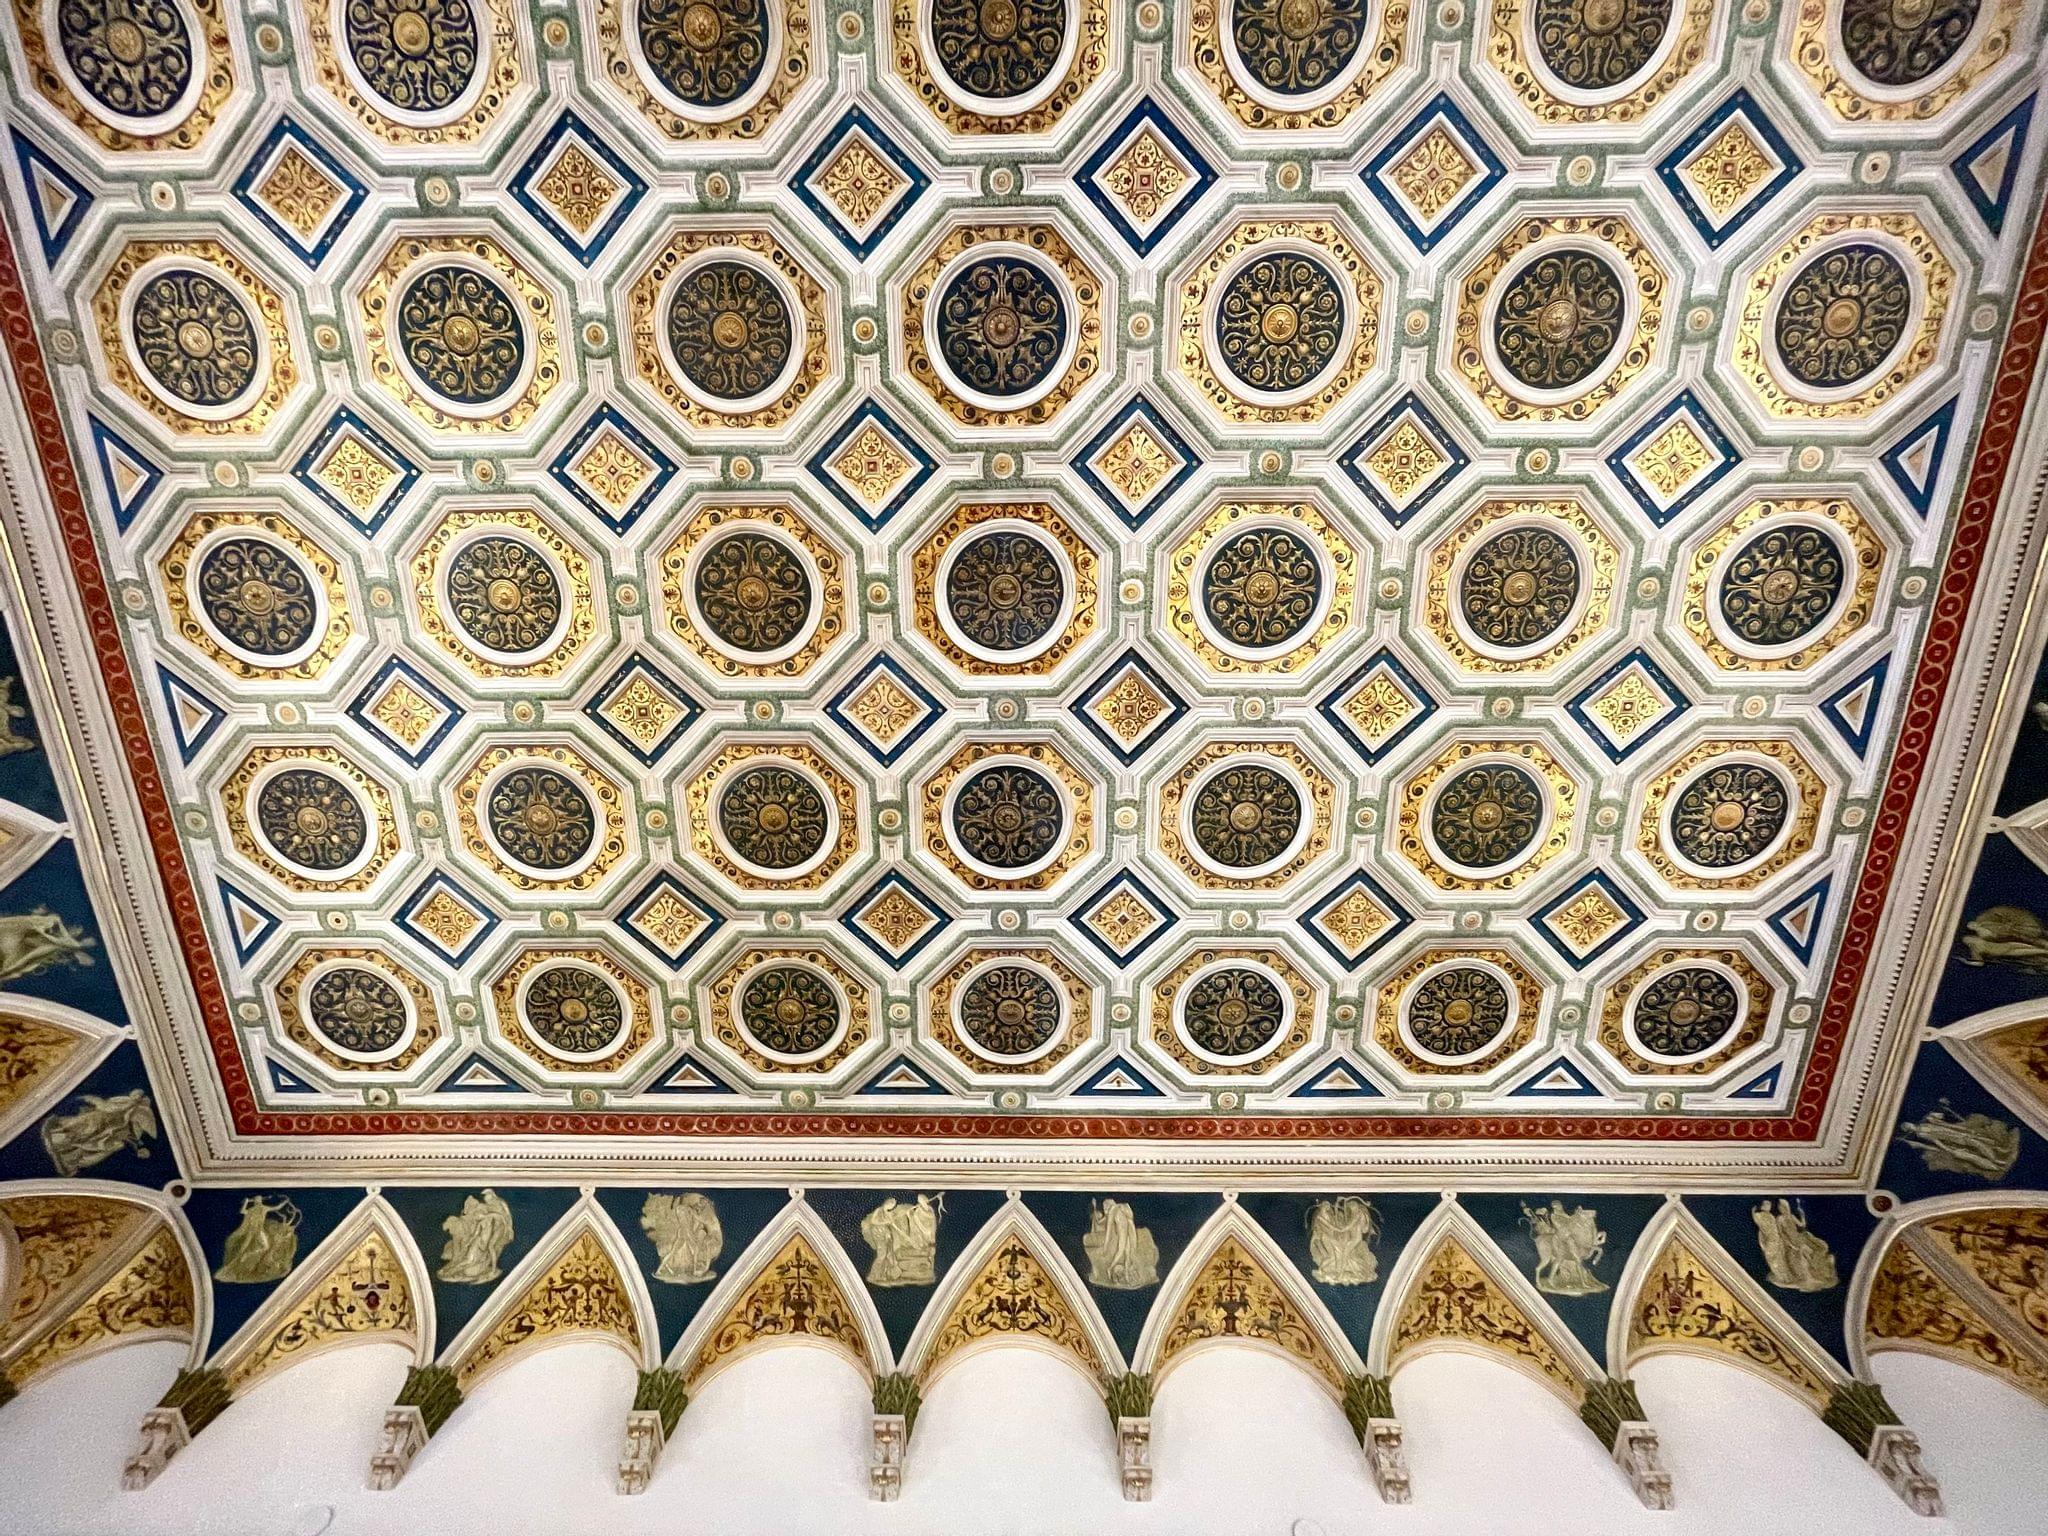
143 1290
793 1284
365 1280
579 1282
46 1051
1012 1285
1683 1293
1453 1289
1234 1284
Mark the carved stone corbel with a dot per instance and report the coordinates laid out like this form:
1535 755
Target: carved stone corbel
657 1405
192 1402
896 1402
1614 1413
1129 1400
1369 1406
1859 1413
424 1403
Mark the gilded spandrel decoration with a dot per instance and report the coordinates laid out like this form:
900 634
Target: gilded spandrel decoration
1013 1294
364 1293
1122 1256
93 1127
1235 1297
1797 1259
31 1052
264 1244
1569 1247
150 1293
580 1293
904 1236
478 1236
58 1240
1683 1304
1913 1307
1454 1300
794 1296
686 1234
1340 1239
1975 1143
2007 1250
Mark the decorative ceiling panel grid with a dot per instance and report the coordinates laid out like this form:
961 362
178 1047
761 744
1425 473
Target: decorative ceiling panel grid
1042 569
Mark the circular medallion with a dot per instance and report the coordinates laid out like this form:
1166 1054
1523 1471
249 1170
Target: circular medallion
1297 47
1010 1010
420 56
1280 321
1262 588
1559 319
504 594
135 58
1001 326
1729 815
1596 45
572 1010
357 1011
1246 815
730 329
461 335
1005 589
1487 817
1008 817
312 819
257 596
999 50
1843 314
1520 587
195 337
1234 1012
541 818
1903 42
1686 1012
790 1010
1782 585
753 592
707 54
1458 1012
773 816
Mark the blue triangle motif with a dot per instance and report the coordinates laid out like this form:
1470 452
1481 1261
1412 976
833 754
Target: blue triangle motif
1797 923
1339 1080
473 1074
690 1076
57 200
282 1080
125 474
1558 1079
1118 1079
249 925
1916 461
2006 138
1763 1086
1853 708
902 1078
193 717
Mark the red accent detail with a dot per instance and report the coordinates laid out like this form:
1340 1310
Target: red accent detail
1997 436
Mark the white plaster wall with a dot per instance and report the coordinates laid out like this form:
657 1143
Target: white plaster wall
1012 1442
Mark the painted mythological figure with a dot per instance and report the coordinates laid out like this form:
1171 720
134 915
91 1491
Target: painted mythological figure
11 740
263 1247
1340 1234
1798 1259
685 1232
476 1237
1974 1143
34 941
98 1129
906 1241
1568 1248
1122 1256
2006 936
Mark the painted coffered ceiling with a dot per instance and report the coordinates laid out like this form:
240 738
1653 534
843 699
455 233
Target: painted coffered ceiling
1036 584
